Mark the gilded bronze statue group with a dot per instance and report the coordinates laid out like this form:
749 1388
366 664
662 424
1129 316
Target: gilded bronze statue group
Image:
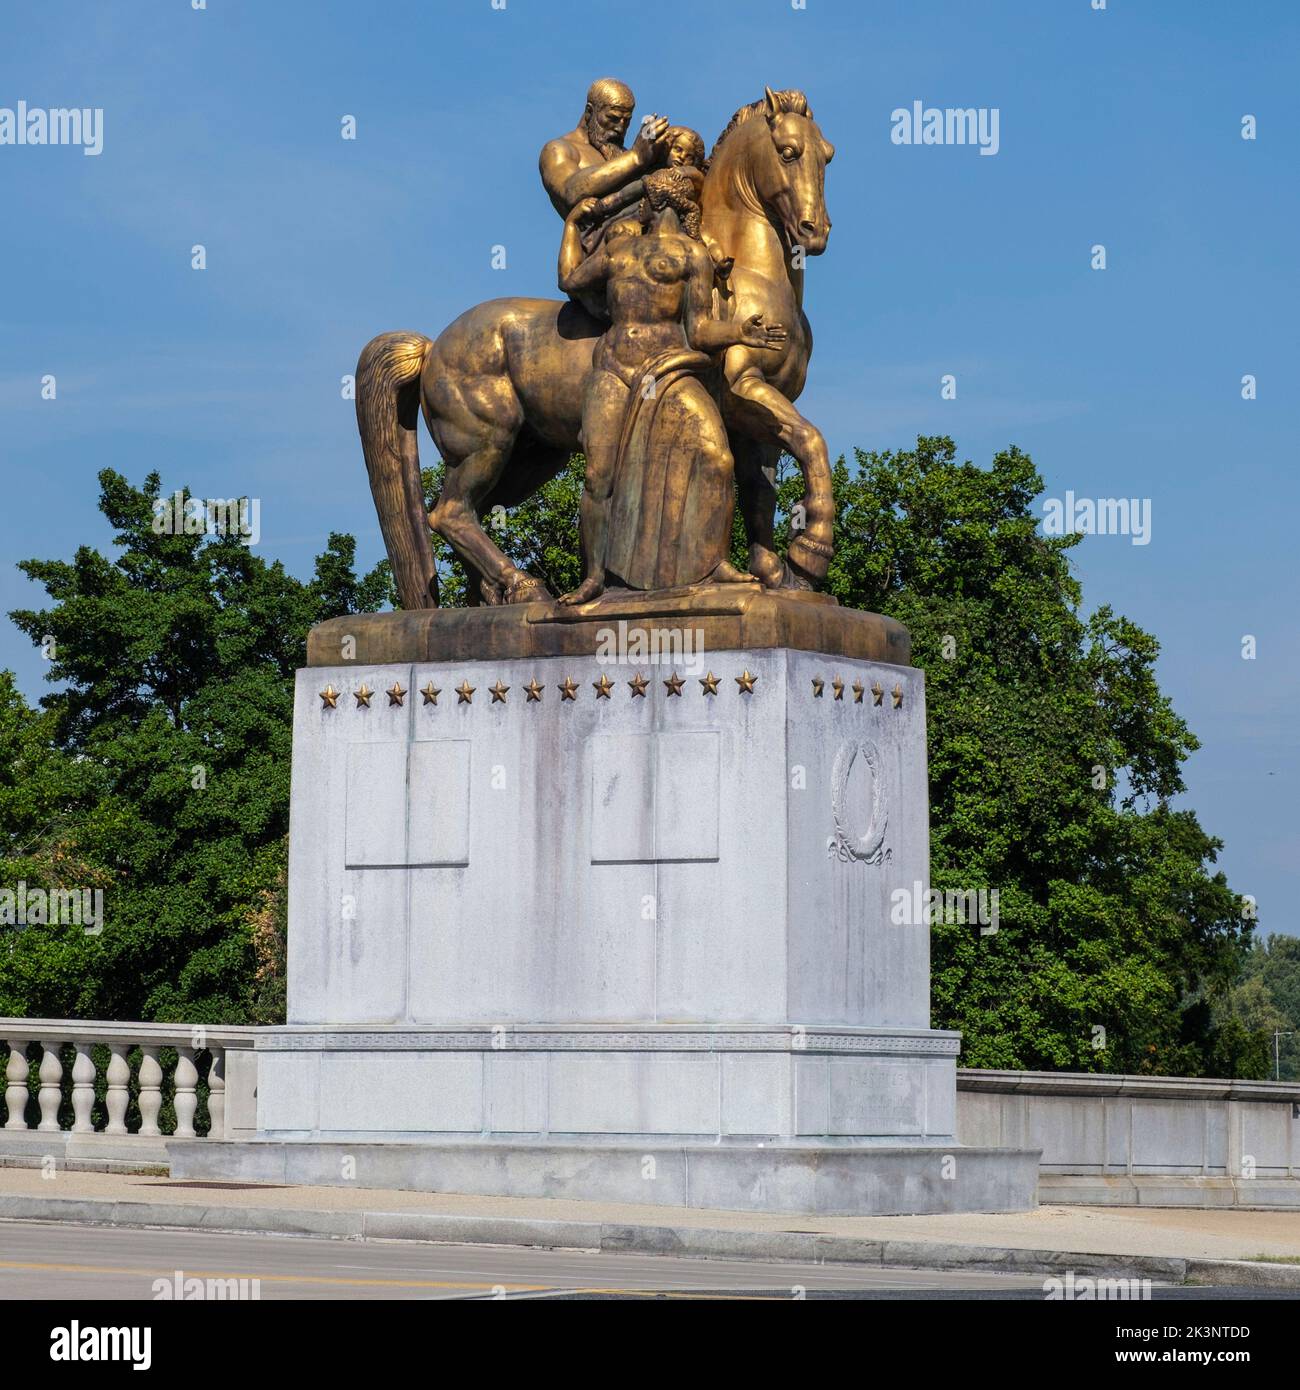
673 365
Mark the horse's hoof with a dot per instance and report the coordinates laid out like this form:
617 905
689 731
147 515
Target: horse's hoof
809 559
767 566
526 589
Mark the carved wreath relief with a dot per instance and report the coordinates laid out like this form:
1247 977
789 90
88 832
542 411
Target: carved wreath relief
869 846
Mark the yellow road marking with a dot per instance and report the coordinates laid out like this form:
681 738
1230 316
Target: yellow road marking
377 1283
276 1278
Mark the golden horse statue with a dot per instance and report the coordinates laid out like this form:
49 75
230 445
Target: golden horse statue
501 388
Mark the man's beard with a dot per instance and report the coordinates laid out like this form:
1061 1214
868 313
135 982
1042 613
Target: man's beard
608 147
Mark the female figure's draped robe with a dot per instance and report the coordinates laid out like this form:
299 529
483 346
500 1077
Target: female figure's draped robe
673 496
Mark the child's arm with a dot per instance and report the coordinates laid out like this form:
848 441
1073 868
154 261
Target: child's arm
615 202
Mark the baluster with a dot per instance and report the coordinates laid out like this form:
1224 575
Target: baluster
217 1094
83 1089
118 1076
16 1090
187 1098
50 1095
151 1075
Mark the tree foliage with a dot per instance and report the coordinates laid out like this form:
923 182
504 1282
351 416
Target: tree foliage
1055 770
162 760
1266 1002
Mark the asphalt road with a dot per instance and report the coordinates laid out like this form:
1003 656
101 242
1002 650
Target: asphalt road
61 1260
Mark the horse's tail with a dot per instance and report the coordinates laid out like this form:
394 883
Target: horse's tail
388 416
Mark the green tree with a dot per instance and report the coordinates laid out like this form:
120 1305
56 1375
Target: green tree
1267 1001
1054 763
176 662
55 828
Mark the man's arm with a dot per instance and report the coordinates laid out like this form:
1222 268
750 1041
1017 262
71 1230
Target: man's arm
567 182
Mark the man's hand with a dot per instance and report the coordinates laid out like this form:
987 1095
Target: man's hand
648 145
583 209
756 333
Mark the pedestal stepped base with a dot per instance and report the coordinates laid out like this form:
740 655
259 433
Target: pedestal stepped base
823 1180
592 909
583 1082
786 1117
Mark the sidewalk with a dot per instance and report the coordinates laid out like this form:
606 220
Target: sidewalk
1158 1243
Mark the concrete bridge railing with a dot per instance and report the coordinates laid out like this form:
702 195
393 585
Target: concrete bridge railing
1110 1126
81 1063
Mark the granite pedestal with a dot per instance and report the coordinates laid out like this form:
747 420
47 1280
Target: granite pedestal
581 911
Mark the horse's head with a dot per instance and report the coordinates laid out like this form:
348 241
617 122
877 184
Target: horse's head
787 159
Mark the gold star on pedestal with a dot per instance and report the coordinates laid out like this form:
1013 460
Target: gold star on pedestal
638 684
498 692
818 686
710 683
746 682
330 698
431 693
877 692
673 685
363 695
568 691
858 688
466 692
396 695
837 686
897 693
602 687
534 690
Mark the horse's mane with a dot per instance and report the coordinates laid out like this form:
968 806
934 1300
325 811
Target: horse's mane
789 100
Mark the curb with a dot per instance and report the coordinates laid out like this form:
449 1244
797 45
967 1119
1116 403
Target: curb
123 1167
610 1238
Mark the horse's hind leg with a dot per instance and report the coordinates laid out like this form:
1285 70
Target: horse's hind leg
477 451
455 517
532 464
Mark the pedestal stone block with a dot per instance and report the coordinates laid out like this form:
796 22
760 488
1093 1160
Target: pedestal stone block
648 858
565 910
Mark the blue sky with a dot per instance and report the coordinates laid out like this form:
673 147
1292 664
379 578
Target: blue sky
1120 127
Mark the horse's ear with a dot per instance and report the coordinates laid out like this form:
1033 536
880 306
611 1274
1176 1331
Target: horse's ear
773 104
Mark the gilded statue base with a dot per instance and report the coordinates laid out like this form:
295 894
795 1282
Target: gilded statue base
716 617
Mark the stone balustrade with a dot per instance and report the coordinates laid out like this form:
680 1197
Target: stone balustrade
200 1051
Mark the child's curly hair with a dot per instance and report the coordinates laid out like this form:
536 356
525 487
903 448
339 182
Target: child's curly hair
670 188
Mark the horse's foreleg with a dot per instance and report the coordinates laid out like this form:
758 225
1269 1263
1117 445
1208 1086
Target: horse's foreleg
756 458
765 411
